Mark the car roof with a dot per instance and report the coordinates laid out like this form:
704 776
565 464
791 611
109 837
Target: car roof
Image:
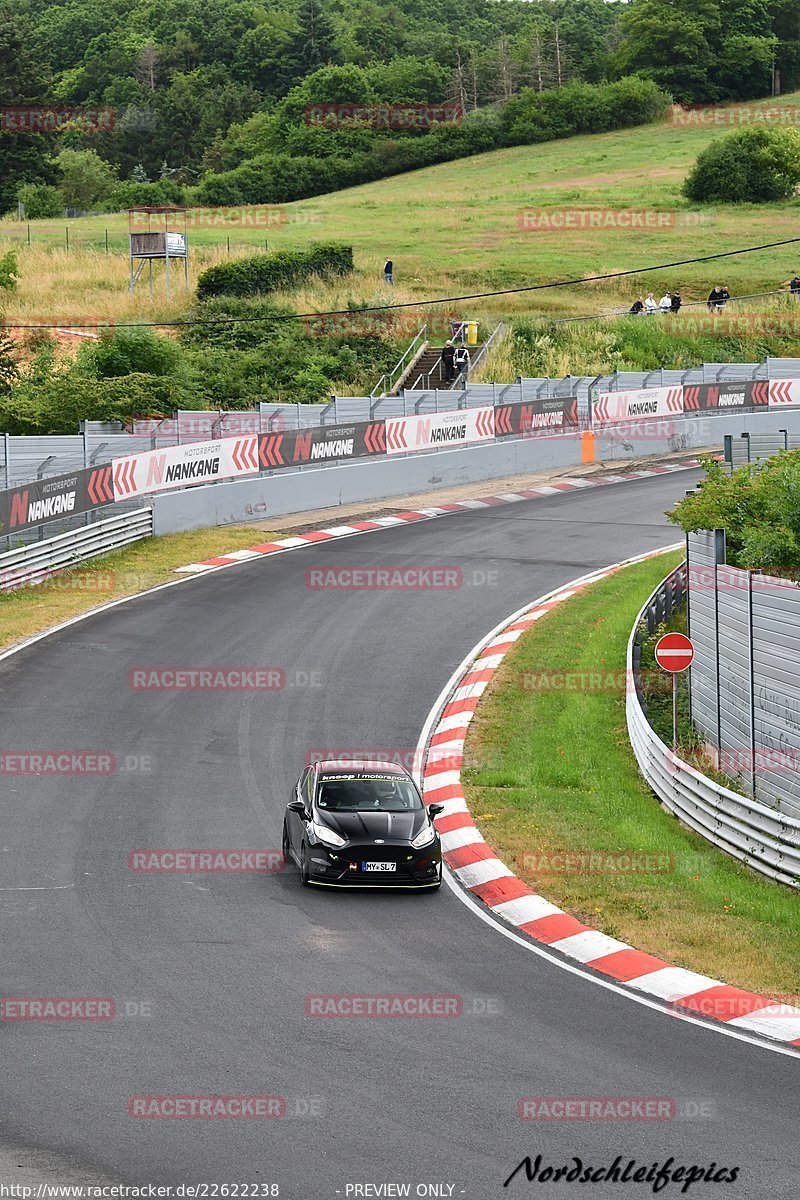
337 766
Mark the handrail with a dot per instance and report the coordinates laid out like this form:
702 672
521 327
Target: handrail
397 369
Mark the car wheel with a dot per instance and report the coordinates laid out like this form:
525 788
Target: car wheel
285 850
304 873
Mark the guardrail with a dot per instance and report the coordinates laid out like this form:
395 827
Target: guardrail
766 840
35 563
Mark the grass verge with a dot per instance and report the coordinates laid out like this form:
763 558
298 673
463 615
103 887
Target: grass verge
549 769
122 573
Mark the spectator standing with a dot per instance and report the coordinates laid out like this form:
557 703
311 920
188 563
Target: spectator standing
794 286
725 295
462 359
676 302
637 307
716 298
650 305
448 358
388 271
665 303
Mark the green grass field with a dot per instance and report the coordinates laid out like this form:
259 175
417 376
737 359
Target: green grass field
457 227
549 769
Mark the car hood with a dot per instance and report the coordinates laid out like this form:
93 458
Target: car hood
367 826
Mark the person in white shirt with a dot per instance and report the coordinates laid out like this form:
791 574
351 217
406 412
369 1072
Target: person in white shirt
665 303
650 305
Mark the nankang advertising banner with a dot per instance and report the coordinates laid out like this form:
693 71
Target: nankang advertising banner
321 443
55 497
732 394
639 404
43 500
180 466
551 414
433 431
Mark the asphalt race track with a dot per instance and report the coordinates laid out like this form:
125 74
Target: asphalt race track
222 963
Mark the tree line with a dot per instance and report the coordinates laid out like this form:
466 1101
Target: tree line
198 88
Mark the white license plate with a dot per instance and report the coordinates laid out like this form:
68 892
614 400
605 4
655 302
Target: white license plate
378 866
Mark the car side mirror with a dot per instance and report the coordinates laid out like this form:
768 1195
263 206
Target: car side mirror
434 810
297 806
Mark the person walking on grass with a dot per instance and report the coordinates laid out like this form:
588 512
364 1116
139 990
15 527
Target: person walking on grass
676 302
637 307
388 271
665 303
650 305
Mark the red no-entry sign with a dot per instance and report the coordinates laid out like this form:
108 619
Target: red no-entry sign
674 652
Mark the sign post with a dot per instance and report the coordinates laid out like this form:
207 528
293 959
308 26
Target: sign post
674 653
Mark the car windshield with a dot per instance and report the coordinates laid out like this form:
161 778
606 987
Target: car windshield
367 794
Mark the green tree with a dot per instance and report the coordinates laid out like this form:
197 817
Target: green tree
24 81
758 507
314 45
675 43
86 180
747 165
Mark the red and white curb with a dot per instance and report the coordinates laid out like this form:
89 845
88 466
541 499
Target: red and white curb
477 869
424 514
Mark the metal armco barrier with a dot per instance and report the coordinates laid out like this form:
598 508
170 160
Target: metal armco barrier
766 840
38 561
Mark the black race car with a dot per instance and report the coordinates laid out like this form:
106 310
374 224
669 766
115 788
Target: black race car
361 824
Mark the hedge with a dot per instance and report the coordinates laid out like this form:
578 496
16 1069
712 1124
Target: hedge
263 273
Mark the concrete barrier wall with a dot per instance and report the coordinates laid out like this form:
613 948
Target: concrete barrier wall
287 492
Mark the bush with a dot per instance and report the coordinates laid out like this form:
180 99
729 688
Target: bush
9 271
56 404
40 201
748 165
133 195
130 351
757 507
264 273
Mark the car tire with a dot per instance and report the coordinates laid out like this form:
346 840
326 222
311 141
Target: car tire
304 872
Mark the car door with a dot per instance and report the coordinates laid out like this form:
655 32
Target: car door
295 820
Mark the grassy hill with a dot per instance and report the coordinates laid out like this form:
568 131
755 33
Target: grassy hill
454 228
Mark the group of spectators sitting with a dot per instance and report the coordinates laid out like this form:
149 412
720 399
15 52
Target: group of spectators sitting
671 302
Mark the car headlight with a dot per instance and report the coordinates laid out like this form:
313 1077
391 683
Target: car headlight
424 837
326 835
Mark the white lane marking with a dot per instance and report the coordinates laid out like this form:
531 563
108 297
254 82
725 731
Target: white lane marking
435 783
673 983
524 909
772 1020
455 838
482 871
487 915
589 945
